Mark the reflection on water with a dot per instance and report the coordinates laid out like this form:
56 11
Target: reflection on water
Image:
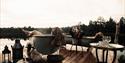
9 42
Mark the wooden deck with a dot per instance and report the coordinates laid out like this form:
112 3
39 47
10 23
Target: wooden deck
81 56
77 57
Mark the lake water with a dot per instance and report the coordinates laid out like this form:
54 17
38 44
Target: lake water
10 43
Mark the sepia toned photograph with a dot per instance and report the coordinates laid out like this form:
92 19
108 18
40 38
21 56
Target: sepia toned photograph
62 31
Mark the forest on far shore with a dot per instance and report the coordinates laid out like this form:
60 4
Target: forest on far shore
108 27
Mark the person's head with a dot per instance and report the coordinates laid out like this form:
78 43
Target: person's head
56 31
99 35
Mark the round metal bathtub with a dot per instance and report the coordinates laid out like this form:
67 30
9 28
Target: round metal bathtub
43 44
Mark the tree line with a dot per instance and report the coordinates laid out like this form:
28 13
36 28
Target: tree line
100 25
108 27
13 33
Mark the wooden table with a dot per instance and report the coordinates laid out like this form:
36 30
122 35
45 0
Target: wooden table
111 47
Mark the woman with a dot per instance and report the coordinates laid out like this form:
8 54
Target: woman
76 32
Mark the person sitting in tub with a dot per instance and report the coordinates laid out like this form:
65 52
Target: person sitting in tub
59 37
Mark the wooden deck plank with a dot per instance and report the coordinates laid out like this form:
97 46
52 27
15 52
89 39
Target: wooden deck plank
85 57
79 57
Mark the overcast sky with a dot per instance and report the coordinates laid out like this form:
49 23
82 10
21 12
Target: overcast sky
51 13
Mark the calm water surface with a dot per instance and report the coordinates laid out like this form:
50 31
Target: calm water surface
9 42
